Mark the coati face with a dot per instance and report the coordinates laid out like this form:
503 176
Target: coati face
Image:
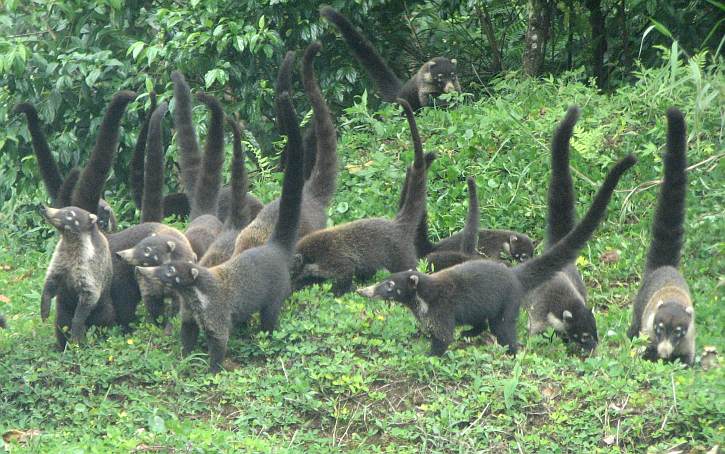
441 72
105 217
151 251
401 287
71 220
520 248
580 328
672 321
174 275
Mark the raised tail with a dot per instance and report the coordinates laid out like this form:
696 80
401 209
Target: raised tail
469 242
286 228
238 214
189 151
283 84
152 209
384 78
414 204
46 163
561 215
88 191
139 154
65 193
668 224
323 179
209 181
423 244
538 270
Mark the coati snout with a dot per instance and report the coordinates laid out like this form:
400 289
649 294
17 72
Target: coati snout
400 287
671 324
69 219
579 328
519 247
151 251
171 275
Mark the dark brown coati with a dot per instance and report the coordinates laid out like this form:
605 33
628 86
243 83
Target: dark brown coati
320 187
360 248
435 77
560 302
257 280
484 292
663 309
3 323
58 188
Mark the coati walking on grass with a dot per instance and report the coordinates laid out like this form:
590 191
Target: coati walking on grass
219 298
483 292
663 309
560 302
435 77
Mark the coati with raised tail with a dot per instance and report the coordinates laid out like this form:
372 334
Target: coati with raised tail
435 77
560 302
59 189
219 298
320 187
484 292
663 309
360 248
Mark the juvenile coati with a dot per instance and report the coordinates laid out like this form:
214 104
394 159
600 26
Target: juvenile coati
484 292
257 280
663 309
560 302
435 77
320 187
362 247
58 188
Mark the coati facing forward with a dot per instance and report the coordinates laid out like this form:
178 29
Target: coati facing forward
435 77
257 280
484 292
663 308
362 247
560 302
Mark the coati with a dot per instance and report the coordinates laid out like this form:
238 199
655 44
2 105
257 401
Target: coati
320 187
485 292
3 324
663 309
219 298
362 247
435 77
560 302
58 189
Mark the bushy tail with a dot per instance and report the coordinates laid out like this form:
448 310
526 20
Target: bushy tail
209 181
668 224
238 214
46 163
469 242
285 231
139 154
323 179
561 215
423 245
152 209
538 270
414 204
385 79
65 193
309 142
88 191
189 151
283 85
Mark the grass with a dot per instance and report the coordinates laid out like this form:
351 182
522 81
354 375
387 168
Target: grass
352 374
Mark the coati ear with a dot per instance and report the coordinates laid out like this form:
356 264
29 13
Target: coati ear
413 281
171 245
659 304
194 273
688 309
567 315
93 218
513 238
454 61
196 257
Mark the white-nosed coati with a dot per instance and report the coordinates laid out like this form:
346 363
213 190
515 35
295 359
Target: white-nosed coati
483 292
362 247
560 302
435 77
58 188
663 309
320 187
219 298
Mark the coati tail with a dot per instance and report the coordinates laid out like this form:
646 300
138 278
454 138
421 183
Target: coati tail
423 244
309 141
285 231
414 204
152 209
46 163
88 191
538 270
323 178
189 152
284 84
469 241
238 214
65 193
561 215
139 152
209 180
384 78
669 218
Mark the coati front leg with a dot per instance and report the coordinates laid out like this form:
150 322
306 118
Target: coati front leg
474 331
269 316
342 285
635 326
50 290
437 347
87 301
189 332
442 326
63 317
504 327
217 350
155 307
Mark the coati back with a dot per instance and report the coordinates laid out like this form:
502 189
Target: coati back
435 77
663 309
362 247
484 293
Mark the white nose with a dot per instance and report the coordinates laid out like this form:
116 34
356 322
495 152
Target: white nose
664 349
449 88
367 292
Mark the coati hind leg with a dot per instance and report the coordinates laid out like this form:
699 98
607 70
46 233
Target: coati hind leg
269 316
155 307
504 327
342 285
87 301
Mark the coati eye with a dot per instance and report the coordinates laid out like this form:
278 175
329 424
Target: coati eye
390 286
147 251
170 271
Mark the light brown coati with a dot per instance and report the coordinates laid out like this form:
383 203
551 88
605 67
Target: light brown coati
663 309
484 293
218 299
435 77
320 187
560 302
360 248
59 189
